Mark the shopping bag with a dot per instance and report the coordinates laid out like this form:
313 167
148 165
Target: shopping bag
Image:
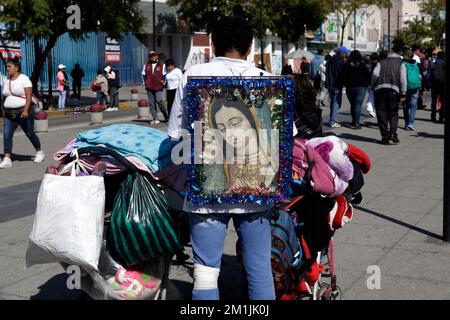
141 224
68 225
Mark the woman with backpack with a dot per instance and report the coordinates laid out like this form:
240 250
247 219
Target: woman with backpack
413 87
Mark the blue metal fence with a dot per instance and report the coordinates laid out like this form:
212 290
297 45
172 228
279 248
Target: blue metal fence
90 54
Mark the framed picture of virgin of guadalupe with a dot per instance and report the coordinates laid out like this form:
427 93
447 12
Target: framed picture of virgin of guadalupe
241 139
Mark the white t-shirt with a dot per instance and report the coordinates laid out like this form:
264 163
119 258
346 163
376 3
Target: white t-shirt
219 66
18 89
173 79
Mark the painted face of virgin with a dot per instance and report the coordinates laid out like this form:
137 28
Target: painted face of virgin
235 127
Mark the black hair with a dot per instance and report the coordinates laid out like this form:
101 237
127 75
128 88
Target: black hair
231 33
374 56
441 55
383 55
237 104
305 92
170 62
320 51
99 71
15 61
355 58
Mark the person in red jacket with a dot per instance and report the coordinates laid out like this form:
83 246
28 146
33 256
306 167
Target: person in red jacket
153 74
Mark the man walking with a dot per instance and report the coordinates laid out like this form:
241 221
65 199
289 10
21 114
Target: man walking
315 68
335 83
389 82
153 74
437 82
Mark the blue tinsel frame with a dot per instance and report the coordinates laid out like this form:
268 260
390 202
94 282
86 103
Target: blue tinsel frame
191 104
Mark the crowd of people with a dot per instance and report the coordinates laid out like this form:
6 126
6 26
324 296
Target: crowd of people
386 80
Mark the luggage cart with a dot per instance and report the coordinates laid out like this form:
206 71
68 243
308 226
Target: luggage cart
97 284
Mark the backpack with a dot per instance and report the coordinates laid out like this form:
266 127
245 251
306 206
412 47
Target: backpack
115 83
95 86
286 253
413 75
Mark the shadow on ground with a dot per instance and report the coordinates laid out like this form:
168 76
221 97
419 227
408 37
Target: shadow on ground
56 289
401 223
354 137
429 135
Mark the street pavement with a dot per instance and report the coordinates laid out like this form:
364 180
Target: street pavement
396 228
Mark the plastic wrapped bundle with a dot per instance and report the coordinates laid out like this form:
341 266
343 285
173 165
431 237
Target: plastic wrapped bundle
114 282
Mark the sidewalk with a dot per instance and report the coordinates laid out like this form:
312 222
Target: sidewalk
397 227
88 98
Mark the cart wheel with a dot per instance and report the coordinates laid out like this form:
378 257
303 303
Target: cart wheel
323 291
335 294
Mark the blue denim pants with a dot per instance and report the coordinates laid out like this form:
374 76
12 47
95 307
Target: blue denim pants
62 100
208 232
410 107
356 97
27 125
335 104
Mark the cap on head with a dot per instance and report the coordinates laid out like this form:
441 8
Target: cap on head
152 53
342 49
61 66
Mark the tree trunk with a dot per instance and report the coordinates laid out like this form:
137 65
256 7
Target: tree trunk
39 59
342 33
50 75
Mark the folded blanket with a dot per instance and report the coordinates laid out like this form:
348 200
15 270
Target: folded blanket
153 147
334 151
324 178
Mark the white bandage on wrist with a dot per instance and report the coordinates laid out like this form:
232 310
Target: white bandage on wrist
205 278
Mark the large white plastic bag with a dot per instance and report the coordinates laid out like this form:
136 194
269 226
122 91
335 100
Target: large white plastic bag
68 225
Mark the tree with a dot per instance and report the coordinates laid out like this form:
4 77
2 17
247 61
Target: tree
49 19
413 34
436 25
347 8
287 19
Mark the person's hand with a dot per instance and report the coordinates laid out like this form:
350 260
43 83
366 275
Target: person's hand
402 100
25 115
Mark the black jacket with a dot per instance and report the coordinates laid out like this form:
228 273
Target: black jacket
335 73
356 75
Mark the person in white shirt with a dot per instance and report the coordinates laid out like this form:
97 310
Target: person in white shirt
113 88
173 79
18 111
231 41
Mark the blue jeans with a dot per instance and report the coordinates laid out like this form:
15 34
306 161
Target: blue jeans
335 104
208 232
27 125
102 98
62 100
410 107
356 97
